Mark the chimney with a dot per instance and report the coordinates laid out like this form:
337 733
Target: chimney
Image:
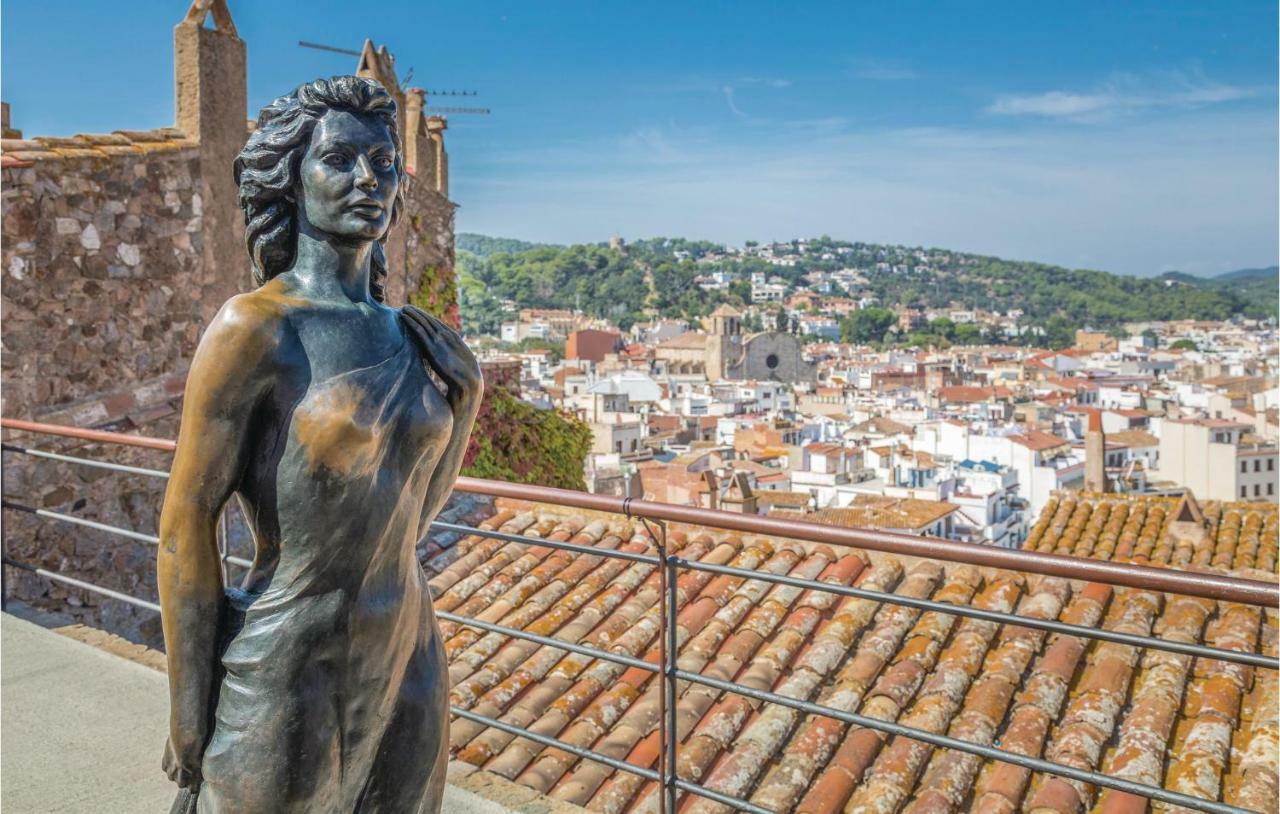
9 132
1095 454
740 498
416 142
379 64
211 106
436 125
713 489
632 485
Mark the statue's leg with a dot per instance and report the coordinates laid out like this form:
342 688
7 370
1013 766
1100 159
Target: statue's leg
408 771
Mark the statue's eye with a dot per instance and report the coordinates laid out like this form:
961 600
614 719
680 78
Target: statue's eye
383 162
335 159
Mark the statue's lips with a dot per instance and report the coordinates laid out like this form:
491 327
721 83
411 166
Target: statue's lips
367 209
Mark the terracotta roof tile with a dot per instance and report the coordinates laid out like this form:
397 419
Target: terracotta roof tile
1232 537
93 145
1208 728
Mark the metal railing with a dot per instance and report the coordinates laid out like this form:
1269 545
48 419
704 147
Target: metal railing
655 517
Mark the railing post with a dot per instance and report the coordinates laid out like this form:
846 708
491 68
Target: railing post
4 553
668 649
223 551
669 675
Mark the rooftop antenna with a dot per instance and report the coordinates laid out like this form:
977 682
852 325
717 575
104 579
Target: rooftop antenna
404 81
335 50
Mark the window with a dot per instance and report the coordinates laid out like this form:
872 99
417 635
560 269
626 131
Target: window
1271 488
1257 489
617 446
1257 464
1244 466
1244 491
1271 464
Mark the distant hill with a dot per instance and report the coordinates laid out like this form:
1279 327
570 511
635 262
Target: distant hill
483 245
664 277
1261 286
1269 273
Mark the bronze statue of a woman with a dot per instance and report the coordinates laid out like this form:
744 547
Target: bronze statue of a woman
320 684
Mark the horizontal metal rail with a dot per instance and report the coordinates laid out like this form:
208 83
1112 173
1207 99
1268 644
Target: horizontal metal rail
100 436
90 462
1202 651
517 633
79 583
946 742
1209 586
109 529
611 762
1130 575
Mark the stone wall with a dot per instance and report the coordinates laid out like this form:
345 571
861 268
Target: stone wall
104 284
428 266
118 499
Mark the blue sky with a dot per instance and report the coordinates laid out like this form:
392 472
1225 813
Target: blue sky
1132 137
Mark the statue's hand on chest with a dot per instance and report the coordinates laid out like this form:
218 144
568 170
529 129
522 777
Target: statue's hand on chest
447 355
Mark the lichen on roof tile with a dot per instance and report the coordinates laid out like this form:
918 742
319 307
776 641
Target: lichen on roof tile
1151 716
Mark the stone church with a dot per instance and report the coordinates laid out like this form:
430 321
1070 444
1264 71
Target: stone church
727 353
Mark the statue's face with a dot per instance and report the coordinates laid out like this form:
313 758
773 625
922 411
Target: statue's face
348 176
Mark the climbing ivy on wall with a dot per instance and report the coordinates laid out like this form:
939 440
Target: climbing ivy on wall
512 440
515 441
438 296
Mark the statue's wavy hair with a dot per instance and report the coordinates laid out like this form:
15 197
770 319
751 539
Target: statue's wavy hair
266 170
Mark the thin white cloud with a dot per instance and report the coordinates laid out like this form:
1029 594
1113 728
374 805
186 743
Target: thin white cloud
1124 93
1053 103
728 98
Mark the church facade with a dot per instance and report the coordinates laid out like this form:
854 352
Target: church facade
726 353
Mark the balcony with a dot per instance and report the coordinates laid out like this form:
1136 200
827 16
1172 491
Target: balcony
628 655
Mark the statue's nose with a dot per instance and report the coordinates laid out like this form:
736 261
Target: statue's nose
366 178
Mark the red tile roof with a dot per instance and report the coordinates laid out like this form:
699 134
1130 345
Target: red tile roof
1038 440
963 394
1206 728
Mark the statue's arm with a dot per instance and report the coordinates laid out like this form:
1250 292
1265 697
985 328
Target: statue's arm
229 376
452 361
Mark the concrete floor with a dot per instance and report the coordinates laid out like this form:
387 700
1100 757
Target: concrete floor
83 730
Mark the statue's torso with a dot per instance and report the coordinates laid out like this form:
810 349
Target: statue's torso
343 451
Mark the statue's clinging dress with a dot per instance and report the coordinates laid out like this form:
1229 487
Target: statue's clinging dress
336 681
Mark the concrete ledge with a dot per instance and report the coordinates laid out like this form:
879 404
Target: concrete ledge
86 716
506 794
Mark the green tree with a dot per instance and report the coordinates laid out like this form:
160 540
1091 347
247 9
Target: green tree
967 334
943 326
867 325
1185 344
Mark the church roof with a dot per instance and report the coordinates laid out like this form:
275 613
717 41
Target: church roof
726 310
689 341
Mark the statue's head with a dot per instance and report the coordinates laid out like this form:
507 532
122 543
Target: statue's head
326 155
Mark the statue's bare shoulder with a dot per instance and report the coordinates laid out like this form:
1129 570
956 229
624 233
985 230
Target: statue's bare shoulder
246 341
